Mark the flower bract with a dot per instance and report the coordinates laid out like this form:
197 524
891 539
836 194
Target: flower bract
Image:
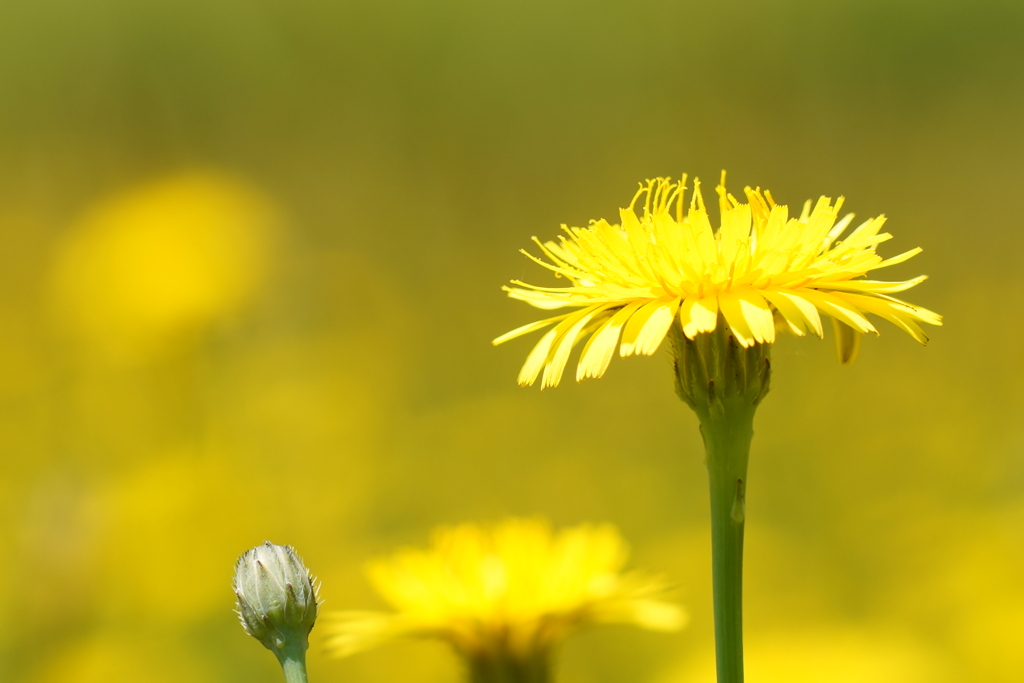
512 590
760 271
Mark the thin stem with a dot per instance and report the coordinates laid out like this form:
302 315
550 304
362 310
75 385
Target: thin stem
727 440
723 382
293 662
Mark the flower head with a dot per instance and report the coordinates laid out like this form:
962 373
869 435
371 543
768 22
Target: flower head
510 591
277 598
760 270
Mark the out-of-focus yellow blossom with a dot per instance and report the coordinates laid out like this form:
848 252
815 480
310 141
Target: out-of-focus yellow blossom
165 258
511 591
761 269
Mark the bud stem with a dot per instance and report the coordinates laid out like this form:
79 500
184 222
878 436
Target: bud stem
727 444
293 662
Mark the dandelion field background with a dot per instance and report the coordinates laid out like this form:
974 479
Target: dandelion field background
249 274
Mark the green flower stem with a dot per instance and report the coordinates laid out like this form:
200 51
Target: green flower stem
293 662
724 383
484 669
727 444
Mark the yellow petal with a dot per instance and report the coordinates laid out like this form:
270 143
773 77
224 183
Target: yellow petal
730 306
800 316
600 348
645 337
637 323
838 308
734 233
698 315
915 312
899 258
902 315
527 328
867 229
539 298
535 361
757 313
567 337
748 315
908 326
875 286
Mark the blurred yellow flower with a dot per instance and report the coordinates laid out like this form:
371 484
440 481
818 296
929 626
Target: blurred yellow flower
509 592
760 269
153 261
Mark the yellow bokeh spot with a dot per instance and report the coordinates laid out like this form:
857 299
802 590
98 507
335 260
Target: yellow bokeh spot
154 261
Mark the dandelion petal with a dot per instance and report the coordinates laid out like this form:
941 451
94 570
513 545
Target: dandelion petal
600 348
698 315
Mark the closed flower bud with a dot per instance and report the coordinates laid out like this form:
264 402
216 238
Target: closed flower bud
277 598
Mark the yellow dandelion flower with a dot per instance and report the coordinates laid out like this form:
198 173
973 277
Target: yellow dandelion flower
505 595
760 270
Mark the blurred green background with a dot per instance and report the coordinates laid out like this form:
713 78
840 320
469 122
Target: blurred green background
250 259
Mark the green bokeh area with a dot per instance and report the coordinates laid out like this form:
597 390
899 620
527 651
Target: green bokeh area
326 380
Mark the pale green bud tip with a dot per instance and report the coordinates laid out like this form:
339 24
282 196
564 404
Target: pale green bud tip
277 597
